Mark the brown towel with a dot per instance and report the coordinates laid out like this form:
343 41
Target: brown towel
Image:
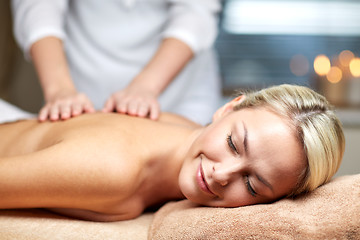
35 224
330 212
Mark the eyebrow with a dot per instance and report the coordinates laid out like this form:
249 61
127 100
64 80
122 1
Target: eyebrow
246 149
245 142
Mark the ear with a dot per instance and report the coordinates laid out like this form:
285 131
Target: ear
228 107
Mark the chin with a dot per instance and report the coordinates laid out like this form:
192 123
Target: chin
190 192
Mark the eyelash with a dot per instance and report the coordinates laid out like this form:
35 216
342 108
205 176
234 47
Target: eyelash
249 187
231 143
247 182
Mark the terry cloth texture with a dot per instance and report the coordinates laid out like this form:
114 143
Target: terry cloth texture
330 212
35 224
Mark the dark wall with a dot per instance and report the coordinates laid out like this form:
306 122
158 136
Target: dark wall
18 81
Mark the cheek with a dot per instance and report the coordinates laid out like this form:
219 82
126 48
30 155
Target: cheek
235 196
211 144
187 176
241 197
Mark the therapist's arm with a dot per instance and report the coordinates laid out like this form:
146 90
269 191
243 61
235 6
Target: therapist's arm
62 99
139 98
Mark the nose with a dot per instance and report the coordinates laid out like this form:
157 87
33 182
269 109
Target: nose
223 173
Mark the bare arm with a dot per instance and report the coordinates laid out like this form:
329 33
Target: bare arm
140 97
66 176
62 99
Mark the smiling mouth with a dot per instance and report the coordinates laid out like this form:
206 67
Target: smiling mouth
200 178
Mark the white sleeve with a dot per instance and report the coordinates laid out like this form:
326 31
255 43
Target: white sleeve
36 19
194 22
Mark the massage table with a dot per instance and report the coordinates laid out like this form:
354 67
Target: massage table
330 212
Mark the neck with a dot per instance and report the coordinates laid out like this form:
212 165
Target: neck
160 182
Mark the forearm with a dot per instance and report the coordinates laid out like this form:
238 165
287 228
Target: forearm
51 65
64 176
171 57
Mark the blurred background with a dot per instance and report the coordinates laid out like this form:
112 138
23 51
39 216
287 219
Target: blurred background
315 43
308 42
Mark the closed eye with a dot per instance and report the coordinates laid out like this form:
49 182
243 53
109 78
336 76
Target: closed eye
249 187
231 143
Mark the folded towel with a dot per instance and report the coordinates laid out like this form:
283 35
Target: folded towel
31 224
330 212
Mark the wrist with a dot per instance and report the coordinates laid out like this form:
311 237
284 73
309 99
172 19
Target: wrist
150 83
56 88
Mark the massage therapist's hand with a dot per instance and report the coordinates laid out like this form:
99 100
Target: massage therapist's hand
65 105
135 101
140 97
62 99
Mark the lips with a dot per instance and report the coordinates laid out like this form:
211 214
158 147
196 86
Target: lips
200 178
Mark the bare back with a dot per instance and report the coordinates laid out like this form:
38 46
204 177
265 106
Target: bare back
96 164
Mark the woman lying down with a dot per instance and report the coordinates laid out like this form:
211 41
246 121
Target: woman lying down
262 146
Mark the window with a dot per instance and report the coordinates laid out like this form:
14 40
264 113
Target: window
306 42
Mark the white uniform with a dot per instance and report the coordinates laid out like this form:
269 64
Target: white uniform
109 42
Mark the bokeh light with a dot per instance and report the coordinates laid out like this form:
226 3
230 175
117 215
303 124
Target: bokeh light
345 57
334 75
354 66
322 65
299 65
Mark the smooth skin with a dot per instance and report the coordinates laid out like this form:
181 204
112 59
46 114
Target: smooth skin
108 167
139 98
101 166
250 156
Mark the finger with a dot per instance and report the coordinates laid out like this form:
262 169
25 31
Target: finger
133 108
143 110
54 113
43 114
88 107
109 105
65 112
76 109
154 111
122 107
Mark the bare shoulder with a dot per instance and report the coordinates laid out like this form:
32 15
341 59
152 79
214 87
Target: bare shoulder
178 120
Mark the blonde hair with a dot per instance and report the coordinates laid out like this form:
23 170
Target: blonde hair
316 126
